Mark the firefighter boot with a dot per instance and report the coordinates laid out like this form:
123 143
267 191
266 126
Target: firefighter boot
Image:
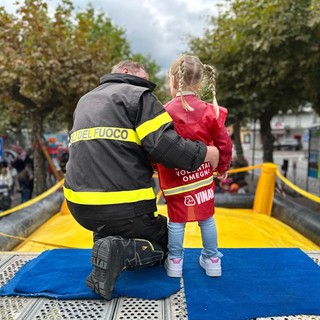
112 255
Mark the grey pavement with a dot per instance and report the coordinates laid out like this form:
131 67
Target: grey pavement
297 167
298 176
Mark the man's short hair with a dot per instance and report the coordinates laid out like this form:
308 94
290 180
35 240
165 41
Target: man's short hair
130 65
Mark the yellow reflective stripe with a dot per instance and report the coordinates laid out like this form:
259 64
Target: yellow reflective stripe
153 125
103 198
109 133
150 244
188 187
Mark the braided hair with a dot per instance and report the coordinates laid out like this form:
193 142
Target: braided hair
189 72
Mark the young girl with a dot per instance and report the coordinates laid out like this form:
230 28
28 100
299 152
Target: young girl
190 195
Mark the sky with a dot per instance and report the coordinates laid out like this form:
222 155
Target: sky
155 27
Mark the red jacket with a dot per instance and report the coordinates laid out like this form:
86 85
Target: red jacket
190 195
53 150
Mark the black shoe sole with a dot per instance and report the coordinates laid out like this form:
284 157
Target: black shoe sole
106 268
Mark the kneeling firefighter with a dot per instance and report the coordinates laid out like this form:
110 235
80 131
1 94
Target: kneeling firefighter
119 127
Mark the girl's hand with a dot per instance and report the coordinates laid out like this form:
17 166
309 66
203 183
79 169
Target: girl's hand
222 175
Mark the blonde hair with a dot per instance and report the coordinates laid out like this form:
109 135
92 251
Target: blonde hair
189 72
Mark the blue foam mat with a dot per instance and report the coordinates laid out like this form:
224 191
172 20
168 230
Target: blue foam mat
254 283
61 274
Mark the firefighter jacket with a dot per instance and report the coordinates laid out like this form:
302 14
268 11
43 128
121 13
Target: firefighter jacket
118 128
190 194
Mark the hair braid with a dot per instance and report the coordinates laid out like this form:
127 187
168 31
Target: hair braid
181 73
181 82
212 85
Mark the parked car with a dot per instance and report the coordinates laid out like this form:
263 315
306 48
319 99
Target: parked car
288 143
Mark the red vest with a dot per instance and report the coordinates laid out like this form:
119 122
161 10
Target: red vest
190 195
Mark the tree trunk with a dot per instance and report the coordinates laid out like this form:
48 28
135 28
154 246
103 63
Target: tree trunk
39 165
237 142
21 140
266 135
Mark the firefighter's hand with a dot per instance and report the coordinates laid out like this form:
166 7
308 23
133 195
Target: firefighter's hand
212 156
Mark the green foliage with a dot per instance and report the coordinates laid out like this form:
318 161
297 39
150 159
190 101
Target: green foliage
161 90
267 56
257 47
49 60
311 65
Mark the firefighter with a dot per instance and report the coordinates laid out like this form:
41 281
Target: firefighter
119 128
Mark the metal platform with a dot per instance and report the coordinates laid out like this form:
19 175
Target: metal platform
172 308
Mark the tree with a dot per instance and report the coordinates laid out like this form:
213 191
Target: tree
259 48
162 88
223 57
47 63
311 64
92 45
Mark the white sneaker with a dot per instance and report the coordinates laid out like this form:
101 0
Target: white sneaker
174 267
212 266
